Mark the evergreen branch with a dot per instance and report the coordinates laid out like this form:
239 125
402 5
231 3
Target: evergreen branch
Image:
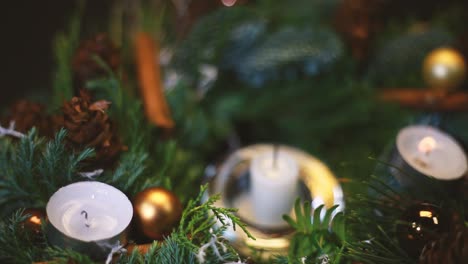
398 63
152 251
198 214
64 256
388 164
129 175
198 222
194 233
65 45
34 170
313 50
16 245
315 238
111 83
173 251
134 257
381 249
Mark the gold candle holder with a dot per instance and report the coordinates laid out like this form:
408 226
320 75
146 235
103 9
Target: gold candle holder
232 180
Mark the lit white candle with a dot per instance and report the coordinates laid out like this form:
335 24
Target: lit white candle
89 211
432 152
274 181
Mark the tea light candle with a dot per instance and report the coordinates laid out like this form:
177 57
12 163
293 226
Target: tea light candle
432 152
274 179
85 212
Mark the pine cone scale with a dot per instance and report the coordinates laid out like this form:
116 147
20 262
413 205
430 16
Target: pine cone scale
89 125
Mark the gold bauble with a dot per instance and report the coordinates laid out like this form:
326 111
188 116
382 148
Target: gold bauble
444 69
156 212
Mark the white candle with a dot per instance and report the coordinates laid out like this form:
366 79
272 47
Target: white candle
432 152
274 179
89 211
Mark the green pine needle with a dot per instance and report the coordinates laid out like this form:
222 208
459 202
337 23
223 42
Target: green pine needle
196 215
65 45
64 256
16 245
33 169
315 238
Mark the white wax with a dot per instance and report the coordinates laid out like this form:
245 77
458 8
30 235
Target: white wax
432 152
274 187
89 211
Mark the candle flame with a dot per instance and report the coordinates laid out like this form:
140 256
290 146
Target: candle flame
426 145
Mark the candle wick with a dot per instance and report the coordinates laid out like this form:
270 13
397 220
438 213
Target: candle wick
275 155
85 214
86 218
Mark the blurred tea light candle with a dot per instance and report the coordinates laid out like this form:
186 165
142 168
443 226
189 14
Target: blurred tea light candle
432 152
89 211
274 179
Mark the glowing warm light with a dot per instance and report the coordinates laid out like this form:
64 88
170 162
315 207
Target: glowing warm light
440 71
426 145
434 219
147 211
228 3
425 214
36 220
161 199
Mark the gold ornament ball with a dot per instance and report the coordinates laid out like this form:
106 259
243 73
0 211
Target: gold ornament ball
156 212
444 69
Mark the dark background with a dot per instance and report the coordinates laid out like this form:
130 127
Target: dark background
28 29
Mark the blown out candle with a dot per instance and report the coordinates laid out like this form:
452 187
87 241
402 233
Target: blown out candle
89 217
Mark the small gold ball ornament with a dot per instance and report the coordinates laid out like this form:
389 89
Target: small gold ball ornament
156 212
444 69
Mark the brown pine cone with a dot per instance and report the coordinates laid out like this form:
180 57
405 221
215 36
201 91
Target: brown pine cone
86 68
26 115
450 248
88 125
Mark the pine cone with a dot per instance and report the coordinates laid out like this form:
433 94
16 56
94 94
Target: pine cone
89 125
85 67
450 248
26 115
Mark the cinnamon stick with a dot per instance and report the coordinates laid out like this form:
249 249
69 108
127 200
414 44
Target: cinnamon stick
426 99
149 77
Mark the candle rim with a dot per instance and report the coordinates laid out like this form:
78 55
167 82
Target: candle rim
121 227
257 164
312 170
431 131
